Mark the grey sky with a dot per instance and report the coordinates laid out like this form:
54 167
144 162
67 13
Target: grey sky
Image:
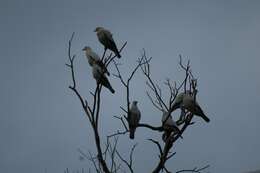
42 123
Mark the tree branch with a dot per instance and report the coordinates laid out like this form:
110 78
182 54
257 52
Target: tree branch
195 170
92 114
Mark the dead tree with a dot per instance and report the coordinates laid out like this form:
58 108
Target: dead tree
109 159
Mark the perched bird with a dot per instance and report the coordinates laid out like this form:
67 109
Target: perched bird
134 117
168 122
169 125
93 57
186 101
105 37
178 100
192 106
100 77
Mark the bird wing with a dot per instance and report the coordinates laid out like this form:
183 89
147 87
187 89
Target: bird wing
198 109
177 102
94 56
104 80
96 73
134 117
108 33
105 37
170 122
199 112
108 40
103 66
138 116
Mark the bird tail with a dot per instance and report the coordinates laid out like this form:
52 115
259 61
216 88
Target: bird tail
132 132
205 118
113 47
111 89
107 84
200 113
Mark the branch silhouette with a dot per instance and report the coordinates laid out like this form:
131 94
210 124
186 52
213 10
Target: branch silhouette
109 159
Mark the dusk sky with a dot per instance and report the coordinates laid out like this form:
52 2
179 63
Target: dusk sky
42 123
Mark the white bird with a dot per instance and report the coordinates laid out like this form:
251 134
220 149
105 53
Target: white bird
105 37
169 125
100 77
93 57
186 100
192 106
178 100
167 121
134 117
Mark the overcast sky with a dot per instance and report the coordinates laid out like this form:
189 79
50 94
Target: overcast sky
42 123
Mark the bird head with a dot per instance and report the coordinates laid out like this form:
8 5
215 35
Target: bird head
98 29
135 102
86 48
189 92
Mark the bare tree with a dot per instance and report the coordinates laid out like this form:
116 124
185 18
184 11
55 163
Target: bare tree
109 159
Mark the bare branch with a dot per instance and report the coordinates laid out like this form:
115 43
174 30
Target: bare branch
159 128
157 144
93 114
155 96
129 163
93 161
145 67
131 154
123 122
123 109
118 133
153 102
195 170
73 87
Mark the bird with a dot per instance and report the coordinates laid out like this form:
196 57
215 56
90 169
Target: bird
186 101
168 122
93 57
169 125
101 77
105 37
134 117
178 100
192 106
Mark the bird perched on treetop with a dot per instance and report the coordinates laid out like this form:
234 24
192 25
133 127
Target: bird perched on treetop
105 37
169 125
168 122
93 57
186 101
100 77
192 106
178 100
134 117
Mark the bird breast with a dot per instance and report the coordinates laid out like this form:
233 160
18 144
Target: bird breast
96 71
101 36
135 114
